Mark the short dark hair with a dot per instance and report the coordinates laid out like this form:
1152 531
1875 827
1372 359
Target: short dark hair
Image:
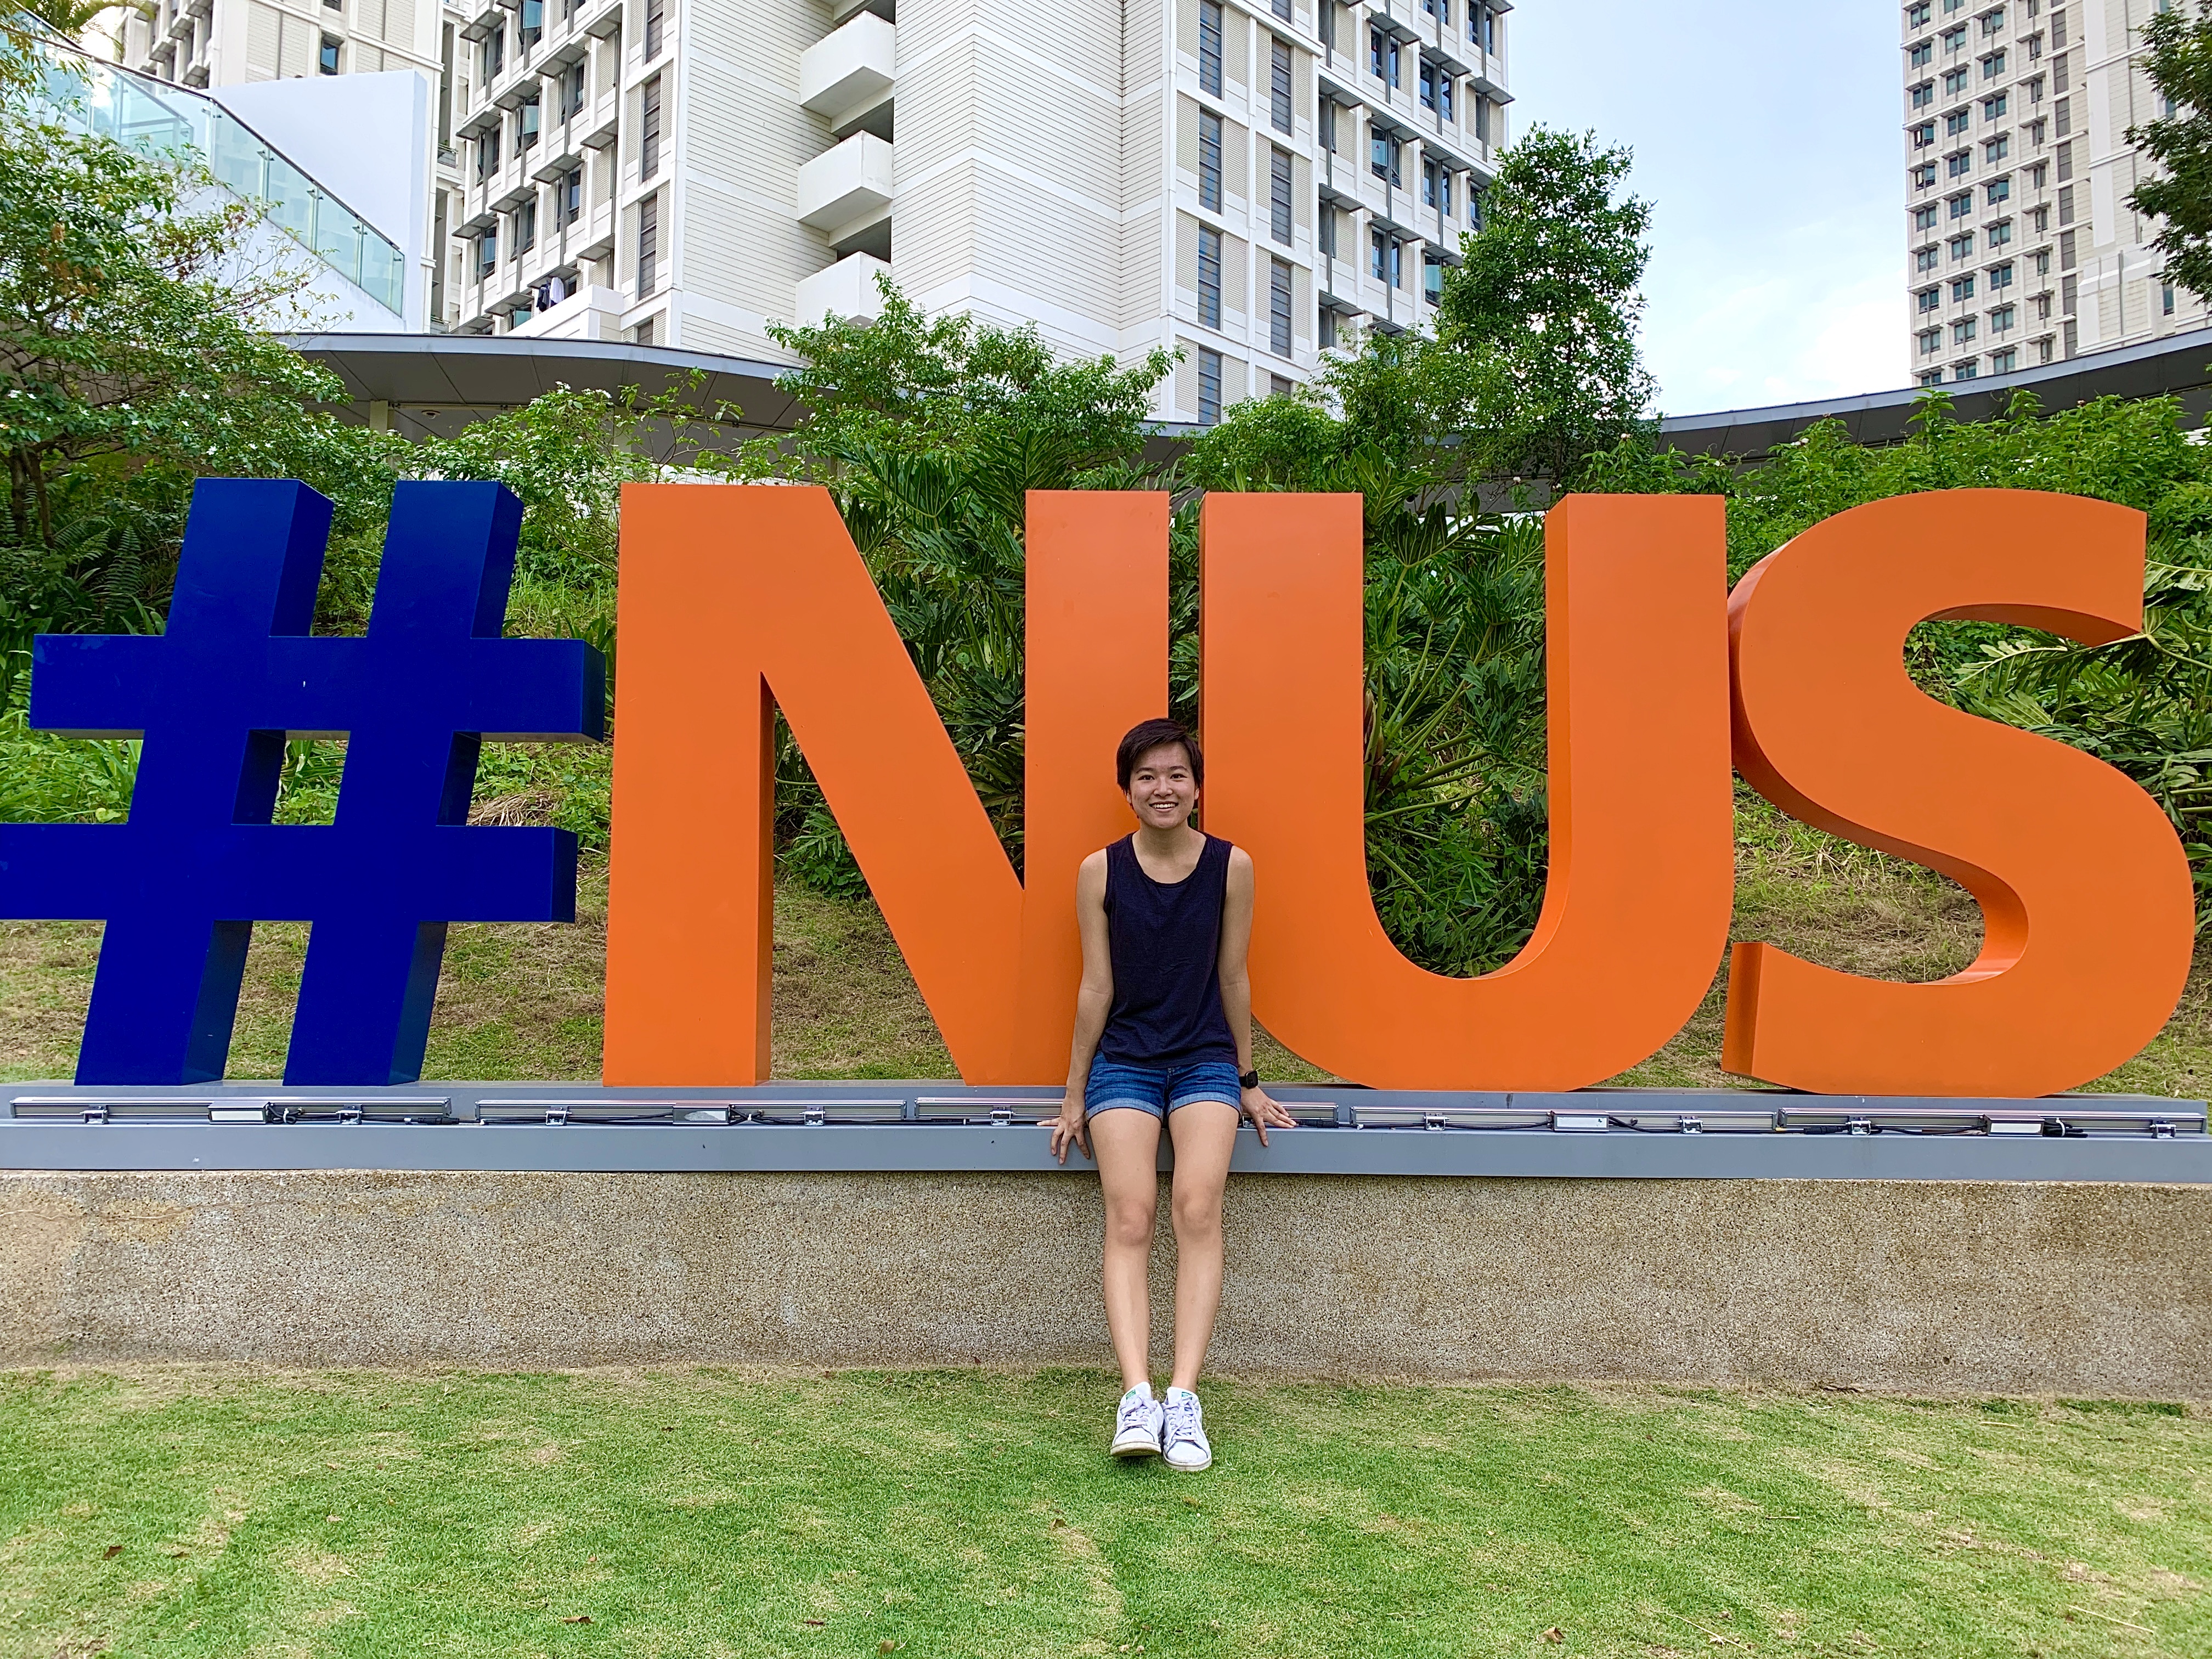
1156 734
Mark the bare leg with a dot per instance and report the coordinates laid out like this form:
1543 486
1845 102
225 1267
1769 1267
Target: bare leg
1127 1143
1205 1134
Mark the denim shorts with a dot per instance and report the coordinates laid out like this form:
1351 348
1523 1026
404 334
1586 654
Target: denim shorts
1159 1090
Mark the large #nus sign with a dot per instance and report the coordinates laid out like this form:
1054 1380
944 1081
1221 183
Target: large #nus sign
736 601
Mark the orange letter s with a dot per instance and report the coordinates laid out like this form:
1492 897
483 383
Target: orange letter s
2084 888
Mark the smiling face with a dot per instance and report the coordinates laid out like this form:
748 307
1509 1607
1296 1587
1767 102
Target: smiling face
1162 791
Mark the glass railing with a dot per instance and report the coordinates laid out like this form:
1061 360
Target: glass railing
164 120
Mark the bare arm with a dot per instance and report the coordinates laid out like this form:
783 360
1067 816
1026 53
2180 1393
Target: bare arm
1235 975
1094 998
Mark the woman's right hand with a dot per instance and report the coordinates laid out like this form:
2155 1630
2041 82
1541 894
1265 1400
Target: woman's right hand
1071 1128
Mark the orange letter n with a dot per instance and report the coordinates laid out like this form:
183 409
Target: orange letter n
737 600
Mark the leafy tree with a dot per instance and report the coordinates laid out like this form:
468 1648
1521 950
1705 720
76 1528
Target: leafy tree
1547 294
2179 65
949 384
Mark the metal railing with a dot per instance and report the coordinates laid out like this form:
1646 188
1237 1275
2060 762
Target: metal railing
158 120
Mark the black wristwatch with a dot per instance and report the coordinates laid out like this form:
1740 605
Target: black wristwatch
1249 1079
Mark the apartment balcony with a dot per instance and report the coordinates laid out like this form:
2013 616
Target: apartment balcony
847 74
600 121
844 189
846 291
593 236
589 313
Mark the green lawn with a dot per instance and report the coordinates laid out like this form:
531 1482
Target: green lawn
703 1513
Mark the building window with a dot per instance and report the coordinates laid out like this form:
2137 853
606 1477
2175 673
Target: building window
1327 113
1993 66
649 141
1965 371
1444 83
1930 299
1957 122
1998 235
1432 281
1278 86
1923 176
1209 46
1995 150
1282 9
1923 135
1962 204
1915 14
572 91
1931 342
1918 57
487 255
1327 328
527 120
1388 155
533 28
1209 159
1993 109
1955 39
1962 288
1962 164
488 153
1962 245
1428 84
652 28
1923 95
642 334
1209 275
1962 331
648 245
525 227
1429 184
1382 57
2001 276
1954 83
1933 377
1209 387
2166 299
2002 319
2003 363
1997 190
1279 386
1389 266
1444 192
491 52
1992 22
1279 194
1278 306
327 60
1327 228
1924 259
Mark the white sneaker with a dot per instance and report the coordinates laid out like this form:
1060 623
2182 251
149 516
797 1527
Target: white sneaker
1184 1444
1137 1424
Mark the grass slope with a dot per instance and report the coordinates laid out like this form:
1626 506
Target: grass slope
701 1513
524 1002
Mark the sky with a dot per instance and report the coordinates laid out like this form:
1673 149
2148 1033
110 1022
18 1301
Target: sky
1768 138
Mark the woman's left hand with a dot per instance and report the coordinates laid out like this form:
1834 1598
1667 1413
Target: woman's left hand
1266 1112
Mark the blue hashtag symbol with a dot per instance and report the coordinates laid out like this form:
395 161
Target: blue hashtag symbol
181 883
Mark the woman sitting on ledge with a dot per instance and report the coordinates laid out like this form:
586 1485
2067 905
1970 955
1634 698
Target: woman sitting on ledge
1163 1034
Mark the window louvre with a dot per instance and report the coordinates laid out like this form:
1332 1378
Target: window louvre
1209 275
1279 307
1278 195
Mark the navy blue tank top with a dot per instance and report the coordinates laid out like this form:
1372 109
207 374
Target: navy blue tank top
1166 940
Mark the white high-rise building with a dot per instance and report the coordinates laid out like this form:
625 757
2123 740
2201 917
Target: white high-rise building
2021 248
1245 183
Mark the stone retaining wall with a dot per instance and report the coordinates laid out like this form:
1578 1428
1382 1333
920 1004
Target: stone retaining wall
1909 1286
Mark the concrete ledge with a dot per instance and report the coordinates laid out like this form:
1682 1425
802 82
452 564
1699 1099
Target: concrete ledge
2088 1289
